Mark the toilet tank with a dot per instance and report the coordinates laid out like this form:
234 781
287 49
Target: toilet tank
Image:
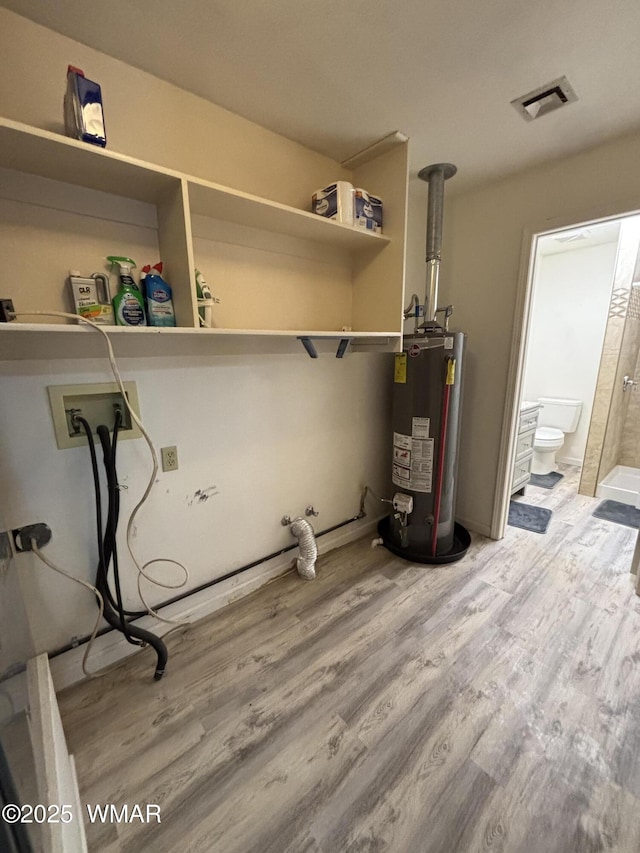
560 412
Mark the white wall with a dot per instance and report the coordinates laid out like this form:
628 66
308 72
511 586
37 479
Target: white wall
571 293
263 436
483 233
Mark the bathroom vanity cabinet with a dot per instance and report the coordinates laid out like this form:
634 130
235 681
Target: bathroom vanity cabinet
523 453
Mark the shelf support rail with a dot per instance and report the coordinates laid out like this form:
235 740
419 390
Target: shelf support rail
343 346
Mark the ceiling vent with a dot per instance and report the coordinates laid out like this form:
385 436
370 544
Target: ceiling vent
545 99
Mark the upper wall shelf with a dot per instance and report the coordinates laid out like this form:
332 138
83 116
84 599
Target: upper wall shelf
241 241
208 199
39 152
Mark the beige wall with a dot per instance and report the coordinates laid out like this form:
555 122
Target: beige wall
153 120
483 234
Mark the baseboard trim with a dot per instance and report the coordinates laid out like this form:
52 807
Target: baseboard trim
570 460
66 669
476 526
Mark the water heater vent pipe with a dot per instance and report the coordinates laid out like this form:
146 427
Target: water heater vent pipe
435 175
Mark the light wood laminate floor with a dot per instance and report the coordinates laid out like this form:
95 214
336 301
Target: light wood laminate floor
489 705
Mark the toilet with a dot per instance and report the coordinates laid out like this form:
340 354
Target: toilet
558 416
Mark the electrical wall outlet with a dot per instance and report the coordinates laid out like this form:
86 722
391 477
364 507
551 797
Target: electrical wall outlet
169 458
25 537
7 311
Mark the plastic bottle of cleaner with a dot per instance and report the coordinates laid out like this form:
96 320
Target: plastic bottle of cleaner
83 116
158 295
91 297
206 299
128 304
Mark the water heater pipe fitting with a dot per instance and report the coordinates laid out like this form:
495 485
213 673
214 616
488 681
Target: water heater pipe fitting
306 562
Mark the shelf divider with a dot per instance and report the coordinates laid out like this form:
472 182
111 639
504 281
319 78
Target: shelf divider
176 251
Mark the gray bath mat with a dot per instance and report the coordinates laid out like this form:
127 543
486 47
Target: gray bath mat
618 512
533 518
546 481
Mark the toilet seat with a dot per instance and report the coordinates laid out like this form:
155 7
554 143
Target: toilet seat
547 437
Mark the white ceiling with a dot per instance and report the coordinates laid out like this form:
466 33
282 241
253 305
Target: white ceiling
338 75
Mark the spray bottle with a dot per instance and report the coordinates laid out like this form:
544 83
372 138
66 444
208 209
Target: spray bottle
158 296
206 299
128 304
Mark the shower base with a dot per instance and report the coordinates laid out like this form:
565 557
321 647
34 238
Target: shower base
621 484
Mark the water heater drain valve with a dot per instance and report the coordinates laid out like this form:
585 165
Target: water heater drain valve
403 503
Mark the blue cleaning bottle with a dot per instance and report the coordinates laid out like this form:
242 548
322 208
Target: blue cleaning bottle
158 296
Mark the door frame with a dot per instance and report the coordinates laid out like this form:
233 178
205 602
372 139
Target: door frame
520 338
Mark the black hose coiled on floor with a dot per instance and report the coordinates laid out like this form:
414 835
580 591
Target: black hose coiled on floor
114 612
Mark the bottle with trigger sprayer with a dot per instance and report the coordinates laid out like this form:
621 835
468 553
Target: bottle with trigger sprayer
128 303
158 299
206 299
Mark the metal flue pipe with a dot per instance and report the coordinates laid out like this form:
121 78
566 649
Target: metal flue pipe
435 175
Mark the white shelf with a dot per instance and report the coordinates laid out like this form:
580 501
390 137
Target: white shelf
39 152
50 155
365 288
35 341
213 200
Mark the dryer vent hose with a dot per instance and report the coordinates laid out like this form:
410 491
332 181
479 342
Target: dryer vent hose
306 562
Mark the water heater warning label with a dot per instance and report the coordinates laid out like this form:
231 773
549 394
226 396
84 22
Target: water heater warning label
400 440
413 460
401 476
400 368
420 427
402 456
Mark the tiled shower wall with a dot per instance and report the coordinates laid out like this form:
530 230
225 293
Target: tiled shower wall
630 451
609 441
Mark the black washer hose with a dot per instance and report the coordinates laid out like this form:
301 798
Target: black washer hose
106 548
134 614
110 549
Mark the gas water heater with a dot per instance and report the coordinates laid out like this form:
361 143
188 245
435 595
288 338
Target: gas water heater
427 398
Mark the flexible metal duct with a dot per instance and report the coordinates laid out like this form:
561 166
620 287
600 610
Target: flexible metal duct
306 562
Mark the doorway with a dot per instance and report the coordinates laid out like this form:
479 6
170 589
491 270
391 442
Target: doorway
580 338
